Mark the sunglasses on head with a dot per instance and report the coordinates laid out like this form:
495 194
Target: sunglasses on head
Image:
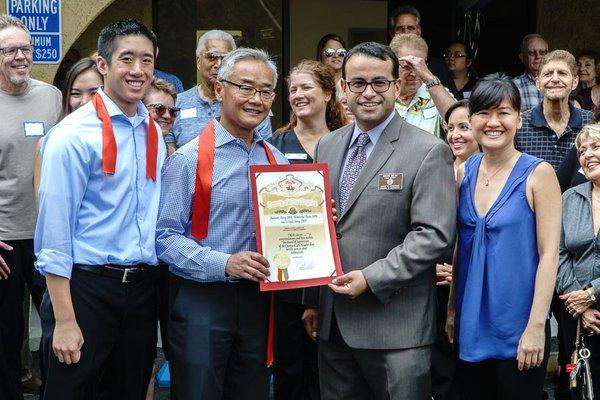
161 109
331 52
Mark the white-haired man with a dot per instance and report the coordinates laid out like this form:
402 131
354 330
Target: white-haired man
199 104
218 322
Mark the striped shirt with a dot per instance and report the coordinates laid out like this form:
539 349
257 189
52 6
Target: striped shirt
530 95
231 221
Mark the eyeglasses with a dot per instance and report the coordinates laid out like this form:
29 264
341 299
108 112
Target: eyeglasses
378 86
161 109
213 56
331 52
12 51
455 55
249 91
533 53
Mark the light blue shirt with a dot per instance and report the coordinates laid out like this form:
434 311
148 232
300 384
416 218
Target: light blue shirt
87 216
374 135
231 221
196 113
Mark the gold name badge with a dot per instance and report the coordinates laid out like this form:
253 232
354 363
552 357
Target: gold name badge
390 181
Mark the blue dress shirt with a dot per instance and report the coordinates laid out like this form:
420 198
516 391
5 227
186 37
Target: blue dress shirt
231 221
87 216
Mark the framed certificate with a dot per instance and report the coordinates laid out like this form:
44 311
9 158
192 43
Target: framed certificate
294 225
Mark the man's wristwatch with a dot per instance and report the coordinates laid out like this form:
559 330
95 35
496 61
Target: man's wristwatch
434 82
591 294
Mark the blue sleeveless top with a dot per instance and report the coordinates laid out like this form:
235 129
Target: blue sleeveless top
496 266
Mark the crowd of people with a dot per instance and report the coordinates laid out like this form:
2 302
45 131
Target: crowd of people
125 201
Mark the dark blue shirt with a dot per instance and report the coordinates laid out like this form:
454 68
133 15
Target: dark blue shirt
536 138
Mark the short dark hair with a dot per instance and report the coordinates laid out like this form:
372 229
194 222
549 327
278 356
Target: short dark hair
405 9
325 39
129 27
375 50
464 103
491 90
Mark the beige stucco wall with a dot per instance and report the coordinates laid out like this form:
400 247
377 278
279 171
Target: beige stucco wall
82 21
569 25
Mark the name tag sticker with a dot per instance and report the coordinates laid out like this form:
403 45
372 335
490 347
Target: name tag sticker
390 181
33 129
296 156
188 113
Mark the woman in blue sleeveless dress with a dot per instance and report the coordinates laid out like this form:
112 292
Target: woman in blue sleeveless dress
507 254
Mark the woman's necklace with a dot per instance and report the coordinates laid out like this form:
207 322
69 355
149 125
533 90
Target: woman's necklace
487 178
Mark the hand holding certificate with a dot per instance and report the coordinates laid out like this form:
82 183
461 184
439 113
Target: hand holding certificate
294 225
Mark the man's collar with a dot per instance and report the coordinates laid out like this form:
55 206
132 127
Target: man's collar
539 120
223 136
421 94
113 109
374 133
529 76
200 98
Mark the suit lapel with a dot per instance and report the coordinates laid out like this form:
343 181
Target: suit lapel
378 157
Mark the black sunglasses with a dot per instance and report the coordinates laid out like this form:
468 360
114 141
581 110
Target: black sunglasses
161 109
329 52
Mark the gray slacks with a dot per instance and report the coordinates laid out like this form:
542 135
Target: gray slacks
346 373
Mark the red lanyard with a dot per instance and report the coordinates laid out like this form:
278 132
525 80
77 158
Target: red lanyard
204 174
109 144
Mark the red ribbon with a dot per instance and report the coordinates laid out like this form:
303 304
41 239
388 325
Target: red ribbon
201 207
109 144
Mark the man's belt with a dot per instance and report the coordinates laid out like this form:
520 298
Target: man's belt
123 273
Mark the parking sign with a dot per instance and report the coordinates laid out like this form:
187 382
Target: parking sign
43 19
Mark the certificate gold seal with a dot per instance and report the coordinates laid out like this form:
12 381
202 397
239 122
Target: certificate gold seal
282 262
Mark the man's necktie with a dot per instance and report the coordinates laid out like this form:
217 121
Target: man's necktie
355 163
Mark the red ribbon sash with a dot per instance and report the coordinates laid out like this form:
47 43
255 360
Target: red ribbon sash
201 207
109 144
204 173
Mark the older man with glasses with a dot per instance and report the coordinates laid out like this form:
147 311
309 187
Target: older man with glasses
533 49
218 320
29 109
199 105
